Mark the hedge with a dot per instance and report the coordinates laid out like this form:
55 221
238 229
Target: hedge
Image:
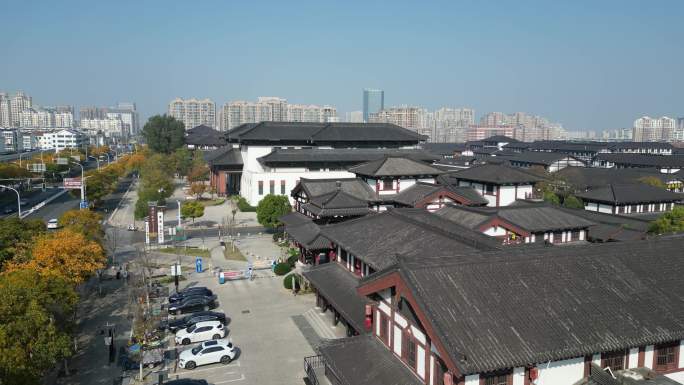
282 268
244 206
287 281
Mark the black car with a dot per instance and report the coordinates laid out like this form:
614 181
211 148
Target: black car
189 291
193 304
194 318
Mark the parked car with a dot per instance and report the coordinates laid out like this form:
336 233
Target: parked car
193 304
8 210
132 227
201 331
53 224
192 319
209 352
189 292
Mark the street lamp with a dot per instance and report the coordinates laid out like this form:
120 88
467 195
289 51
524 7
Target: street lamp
97 160
18 198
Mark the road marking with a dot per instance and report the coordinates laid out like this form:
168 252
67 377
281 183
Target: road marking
242 377
186 371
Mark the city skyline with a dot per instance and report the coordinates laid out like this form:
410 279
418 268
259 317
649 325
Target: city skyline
582 77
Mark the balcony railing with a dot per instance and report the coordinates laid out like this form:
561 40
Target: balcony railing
318 372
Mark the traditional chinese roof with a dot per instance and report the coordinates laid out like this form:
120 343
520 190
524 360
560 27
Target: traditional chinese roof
643 160
204 136
364 360
318 187
533 219
444 149
500 139
343 156
224 156
419 191
491 173
376 239
584 177
538 157
306 233
337 203
338 286
609 227
321 133
616 194
513 307
393 166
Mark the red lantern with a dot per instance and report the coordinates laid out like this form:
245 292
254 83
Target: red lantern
368 323
534 373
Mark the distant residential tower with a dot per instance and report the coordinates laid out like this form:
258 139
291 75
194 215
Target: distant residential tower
373 102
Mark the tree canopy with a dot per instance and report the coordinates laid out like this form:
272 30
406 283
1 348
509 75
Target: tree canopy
670 222
573 202
16 236
192 209
87 222
156 183
271 208
164 134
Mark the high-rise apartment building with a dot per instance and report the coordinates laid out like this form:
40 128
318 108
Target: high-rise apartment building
111 126
528 128
411 117
373 102
354 117
5 111
273 109
193 112
451 124
125 111
647 129
19 103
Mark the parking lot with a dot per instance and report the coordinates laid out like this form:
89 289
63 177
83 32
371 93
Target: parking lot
260 312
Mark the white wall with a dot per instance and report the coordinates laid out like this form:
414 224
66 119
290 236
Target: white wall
519 376
565 372
648 357
249 187
507 195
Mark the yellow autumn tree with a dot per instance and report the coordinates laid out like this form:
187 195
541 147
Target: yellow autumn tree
67 254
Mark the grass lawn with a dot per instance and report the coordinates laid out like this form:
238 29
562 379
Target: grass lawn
212 202
195 252
236 255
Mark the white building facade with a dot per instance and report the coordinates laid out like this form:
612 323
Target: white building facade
193 112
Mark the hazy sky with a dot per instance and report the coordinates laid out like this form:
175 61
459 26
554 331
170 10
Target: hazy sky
587 64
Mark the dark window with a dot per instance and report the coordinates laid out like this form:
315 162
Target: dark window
614 360
489 189
261 187
212 349
634 208
410 351
557 237
621 209
203 329
666 356
383 327
496 379
282 187
387 184
439 372
271 187
575 235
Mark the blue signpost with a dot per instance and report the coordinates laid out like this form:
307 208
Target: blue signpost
84 204
198 264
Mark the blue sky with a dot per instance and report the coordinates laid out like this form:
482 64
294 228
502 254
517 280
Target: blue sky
586 64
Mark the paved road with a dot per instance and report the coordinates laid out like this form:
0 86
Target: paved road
24 155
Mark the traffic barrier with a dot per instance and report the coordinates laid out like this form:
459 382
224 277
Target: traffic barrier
263 264
234 275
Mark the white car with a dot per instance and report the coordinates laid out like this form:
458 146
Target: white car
209 352
52 224
201 331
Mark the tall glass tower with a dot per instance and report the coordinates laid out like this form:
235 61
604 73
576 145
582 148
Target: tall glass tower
373 101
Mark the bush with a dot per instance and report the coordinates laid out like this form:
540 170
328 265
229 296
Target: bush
244 206
287 281
282 268
291 260
278 235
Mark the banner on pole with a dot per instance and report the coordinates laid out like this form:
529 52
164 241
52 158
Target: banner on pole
72 183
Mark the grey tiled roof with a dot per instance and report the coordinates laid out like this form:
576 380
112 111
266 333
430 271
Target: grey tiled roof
306 232
376 239
516 307
318 187
629 193
532 218
224 156
394 166
584 177
491 173
338 286
444 149
609 227
204 135
537 157
337 203
643 160
323 132
364 360
346 156
419 191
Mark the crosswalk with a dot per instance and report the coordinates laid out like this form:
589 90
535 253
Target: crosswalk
321 325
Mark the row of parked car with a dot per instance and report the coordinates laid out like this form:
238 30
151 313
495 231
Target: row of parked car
202 325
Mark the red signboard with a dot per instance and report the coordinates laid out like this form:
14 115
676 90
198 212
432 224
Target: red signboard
72 182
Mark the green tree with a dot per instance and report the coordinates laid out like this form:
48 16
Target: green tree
573 202
182 160
653 181
156 183
551 197
35 320
670 222
16 237
192 209
271 208
164 134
